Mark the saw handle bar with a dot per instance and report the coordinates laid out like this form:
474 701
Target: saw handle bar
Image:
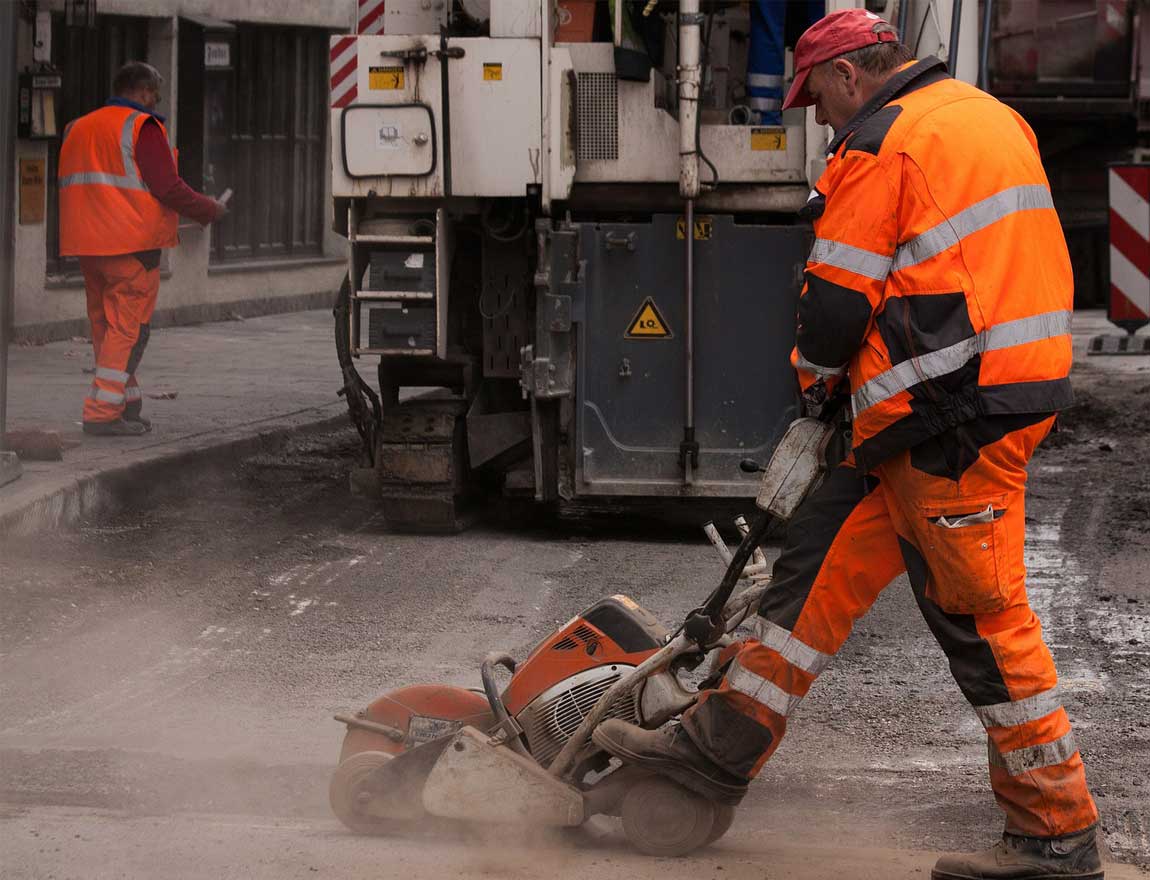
733 614
503 721
706 624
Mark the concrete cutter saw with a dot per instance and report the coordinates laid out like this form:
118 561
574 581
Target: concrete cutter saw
524 753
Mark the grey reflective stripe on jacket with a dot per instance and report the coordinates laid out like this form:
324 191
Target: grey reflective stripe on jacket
970 220
935 240
900 377
1019 761
854 259
130 179
824 372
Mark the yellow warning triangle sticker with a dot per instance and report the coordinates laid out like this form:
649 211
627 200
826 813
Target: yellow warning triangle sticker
648 323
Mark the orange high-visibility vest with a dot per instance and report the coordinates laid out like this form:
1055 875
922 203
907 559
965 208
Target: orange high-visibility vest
105 207
939 280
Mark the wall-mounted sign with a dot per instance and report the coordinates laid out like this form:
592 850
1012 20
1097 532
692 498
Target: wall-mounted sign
217 54
32 191
37 105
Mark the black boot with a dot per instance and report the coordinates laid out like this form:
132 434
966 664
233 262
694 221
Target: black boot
672 753
118 428
133 415
1072 857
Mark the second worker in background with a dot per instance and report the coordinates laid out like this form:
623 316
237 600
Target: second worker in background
120 201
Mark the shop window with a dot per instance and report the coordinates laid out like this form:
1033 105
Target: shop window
88 58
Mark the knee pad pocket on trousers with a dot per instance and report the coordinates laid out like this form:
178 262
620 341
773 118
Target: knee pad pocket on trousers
967 548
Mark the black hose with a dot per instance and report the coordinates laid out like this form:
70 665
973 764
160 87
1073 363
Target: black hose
359 395
703 61
445 105
491 689
955 28
984 45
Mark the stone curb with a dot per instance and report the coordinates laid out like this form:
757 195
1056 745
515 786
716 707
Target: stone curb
49 501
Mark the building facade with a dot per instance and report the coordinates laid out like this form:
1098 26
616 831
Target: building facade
245 96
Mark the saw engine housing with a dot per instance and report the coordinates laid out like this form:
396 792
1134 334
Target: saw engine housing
562 679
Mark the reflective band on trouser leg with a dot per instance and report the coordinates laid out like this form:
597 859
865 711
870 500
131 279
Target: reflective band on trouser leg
1023 760
932 365
791 649
1016 712
104 402
102 394
1050 798
840 552
118 376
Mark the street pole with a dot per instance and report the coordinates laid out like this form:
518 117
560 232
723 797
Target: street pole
9 464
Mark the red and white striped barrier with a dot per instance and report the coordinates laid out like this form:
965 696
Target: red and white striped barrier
1129 306
369 19
344 71
344 55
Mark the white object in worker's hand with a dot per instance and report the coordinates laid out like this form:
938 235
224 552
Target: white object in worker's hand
225 196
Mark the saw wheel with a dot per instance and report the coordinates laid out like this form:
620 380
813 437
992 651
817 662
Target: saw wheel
724 817
661 818
349 795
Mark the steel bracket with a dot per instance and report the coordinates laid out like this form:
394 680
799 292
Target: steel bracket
547 366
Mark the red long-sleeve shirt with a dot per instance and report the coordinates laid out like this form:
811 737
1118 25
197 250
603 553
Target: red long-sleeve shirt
158 169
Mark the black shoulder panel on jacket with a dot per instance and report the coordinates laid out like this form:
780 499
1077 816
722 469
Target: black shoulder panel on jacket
870 135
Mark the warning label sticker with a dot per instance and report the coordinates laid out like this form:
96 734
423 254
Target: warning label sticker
648 323
493 72
704 228
768 139
385 78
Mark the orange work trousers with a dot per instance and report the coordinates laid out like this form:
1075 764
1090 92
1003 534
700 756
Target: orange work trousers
121 298
959 537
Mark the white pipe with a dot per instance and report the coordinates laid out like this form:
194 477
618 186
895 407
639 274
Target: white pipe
690 76
743 527
715 538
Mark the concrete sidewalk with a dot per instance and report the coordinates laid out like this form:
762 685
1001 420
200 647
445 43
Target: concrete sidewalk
211 391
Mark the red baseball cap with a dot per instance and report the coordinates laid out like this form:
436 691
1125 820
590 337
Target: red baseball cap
838 33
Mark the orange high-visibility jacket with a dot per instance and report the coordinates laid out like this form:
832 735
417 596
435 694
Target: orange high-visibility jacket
939 280
105 207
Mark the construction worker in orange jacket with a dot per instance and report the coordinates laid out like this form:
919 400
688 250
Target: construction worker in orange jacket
938 295
120 197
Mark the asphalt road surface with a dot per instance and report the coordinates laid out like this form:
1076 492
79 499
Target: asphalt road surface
168 676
